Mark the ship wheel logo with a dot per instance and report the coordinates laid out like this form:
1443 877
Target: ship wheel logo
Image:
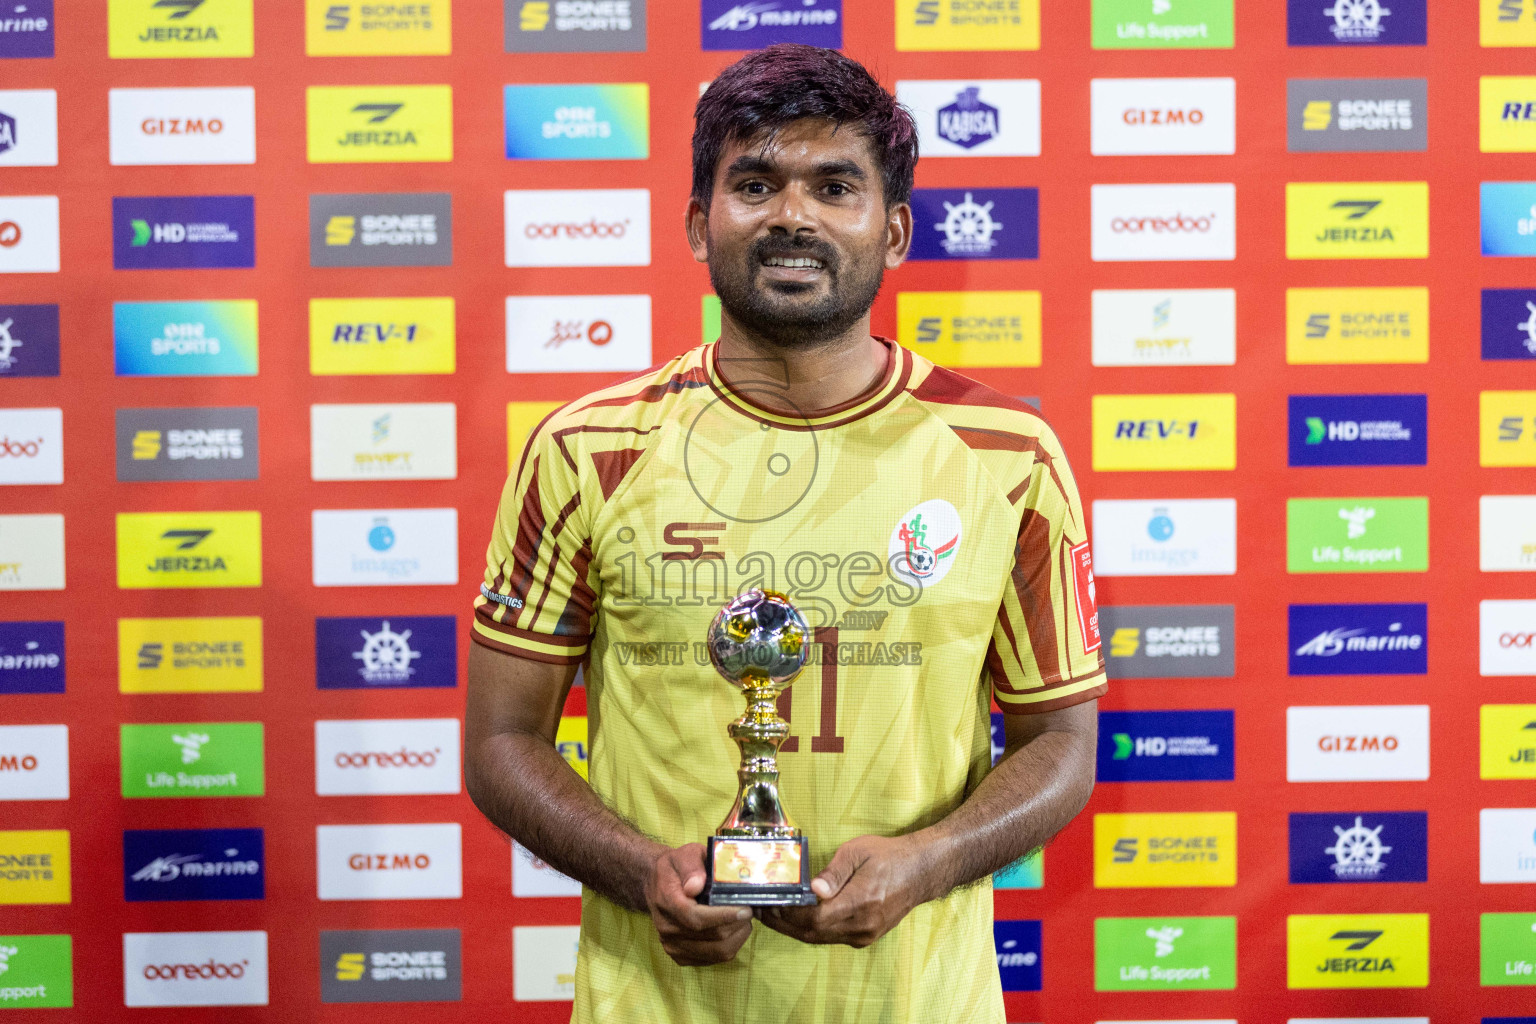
1358 850
386 655
968 227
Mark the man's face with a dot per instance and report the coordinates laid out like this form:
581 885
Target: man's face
798 236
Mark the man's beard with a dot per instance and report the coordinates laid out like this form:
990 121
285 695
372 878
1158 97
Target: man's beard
771 314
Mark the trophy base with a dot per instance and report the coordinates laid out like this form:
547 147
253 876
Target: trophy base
749 871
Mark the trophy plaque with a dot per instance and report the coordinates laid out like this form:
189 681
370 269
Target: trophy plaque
757 857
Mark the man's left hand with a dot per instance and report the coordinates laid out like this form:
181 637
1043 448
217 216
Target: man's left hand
871 883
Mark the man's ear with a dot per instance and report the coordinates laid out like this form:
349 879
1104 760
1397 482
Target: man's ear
696 224
898 235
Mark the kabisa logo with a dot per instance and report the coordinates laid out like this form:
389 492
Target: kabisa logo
1358 430
1374 742
1173 24
925 544
968 122
335 29
36 970
187 444
1508 218
1507 428
185 339
379 123
1357 534
1165 538
1133 851
1357 951
1507 845
1356 220
26 28
381 229
1356 115
1018 954
389 862
753 24
577 227
198 759
29 341
195 969
194 864
31 657
1165 746
1358 639
180 28
390 966
975 117
1509 323
976 224
185 549
1335 326
181 232
574 26
1154 954
576 122
398 651
386 756
1169 641
1384 846
29 126
1357 22
1507 741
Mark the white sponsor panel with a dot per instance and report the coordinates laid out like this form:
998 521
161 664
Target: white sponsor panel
34 762
1165 327
1507 638
532 877
163 127
399 441
578 227
566 333
1164 222
32 552
195 969
386 547
974 117
31 446
1358 1020
1507 533
544 963
1362 743
389 862
29 128
1506 845
29 234
1177 537
1163 116
394 756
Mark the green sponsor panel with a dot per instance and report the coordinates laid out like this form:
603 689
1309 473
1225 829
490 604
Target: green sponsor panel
1509 949
38 971
1161 954
1357 534
711 318
193 759
1181 25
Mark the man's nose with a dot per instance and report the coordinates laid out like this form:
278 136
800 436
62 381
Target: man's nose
792 212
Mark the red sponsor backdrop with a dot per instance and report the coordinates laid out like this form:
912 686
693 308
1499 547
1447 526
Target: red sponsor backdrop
283 282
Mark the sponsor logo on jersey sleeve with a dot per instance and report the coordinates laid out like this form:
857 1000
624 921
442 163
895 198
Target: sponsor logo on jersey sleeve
578 227
32 552
1172 25
188 549
188 444
39 969
389 862
195 969
378 30
1334 326
1385 846
160 127
1507 533
403 441
964 25
31 657
1507 638
574 26
29 234
1018 947
34 867
34 762
29 340
29 125
381 336
581 333
754 24
395 651
1358 430
1164 954
31 446
976 117
1165 746
1370 743
394 756
1169 641
1133 851
1359 639
544 962
381 229
183 232
1357 23
390 966
1507 741
975 224
194 864
1164 222
385 547
181 28
1357 951
1163 116
1358 220
1508 213
193 759
189 655
352 124
26 29
1507 434
1176 537
577 122
1165 327
185 339
1164 432
971 329
1357 534
1508 949
1356 115
1506 23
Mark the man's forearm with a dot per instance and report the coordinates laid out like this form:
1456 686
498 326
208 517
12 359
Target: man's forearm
522 784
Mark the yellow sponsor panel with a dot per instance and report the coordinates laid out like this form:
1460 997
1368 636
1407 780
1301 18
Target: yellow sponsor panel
1357 951
571 741
522 417
193 655
1507 114
34 867
1158 432
967 25
1340 326
155 28
188 549
1507 22
380 124
381 336
1357 220
372 29
1136 851
1507 428
970 329
1508 741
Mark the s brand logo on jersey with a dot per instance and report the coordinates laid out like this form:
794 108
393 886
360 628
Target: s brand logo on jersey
923 546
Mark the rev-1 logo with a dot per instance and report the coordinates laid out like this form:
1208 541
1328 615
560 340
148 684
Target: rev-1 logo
363 334
1155 430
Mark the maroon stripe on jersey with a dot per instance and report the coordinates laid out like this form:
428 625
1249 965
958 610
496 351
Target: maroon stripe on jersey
561 435
553 640
523 652
1055 703
565 513
1032 584
950 388
693 377
576 619
613 466
554 561
530 534
528 445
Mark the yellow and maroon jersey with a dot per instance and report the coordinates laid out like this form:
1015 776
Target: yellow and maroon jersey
929 530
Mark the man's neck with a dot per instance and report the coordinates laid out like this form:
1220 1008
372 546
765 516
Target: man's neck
800 380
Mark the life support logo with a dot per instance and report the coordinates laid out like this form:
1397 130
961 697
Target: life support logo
924 544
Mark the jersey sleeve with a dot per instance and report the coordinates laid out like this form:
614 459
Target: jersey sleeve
539 598
1046 651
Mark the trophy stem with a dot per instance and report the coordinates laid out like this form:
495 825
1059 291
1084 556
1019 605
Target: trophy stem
759 732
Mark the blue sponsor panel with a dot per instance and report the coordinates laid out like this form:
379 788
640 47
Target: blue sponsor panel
214 338
29 340
183 232
975 224
385 652
1509 218
1359 430
1364 846
31 657
1509 323
1359 639
1018 954
26 29
1357 22
194 864
754 24
576 122
1165 746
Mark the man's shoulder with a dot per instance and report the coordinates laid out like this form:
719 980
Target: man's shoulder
643 400
984 418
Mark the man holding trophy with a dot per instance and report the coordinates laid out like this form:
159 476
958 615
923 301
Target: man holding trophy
801 503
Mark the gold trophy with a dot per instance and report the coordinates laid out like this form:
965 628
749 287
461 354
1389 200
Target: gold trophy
757 857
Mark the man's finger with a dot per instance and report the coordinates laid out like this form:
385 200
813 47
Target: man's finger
837 872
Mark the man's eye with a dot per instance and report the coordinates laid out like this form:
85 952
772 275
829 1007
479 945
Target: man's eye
837 188
755 188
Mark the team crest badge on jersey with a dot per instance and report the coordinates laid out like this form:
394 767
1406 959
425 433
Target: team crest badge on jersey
925 542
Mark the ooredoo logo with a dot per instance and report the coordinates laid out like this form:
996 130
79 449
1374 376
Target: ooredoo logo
1177 222
31 446
387 756
578 228
195 968
389 862
1164 222
1507 638
1350 744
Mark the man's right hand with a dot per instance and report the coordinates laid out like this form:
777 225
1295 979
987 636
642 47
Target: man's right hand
692 934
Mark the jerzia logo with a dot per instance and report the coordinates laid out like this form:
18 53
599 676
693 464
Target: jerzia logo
380 124
1357 951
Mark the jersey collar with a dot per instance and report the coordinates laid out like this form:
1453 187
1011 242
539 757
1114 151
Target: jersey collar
898 371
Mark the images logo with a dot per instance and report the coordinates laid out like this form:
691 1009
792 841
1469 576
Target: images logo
1164 222
1388 846
976 224
962 25
393 966
404 441
1507 533
34 762
1509 323
1371 743
1322 534
29 124
1165 538
36 970
565 333
1358 430
398 651
387 756
194 864
29 341
1358 639
1184 25
1165 327
969 329
1356 220
1357 951
34 867
1356 115
1506 23
188 549
1134 851
185 339
31 657
1163 116
182 232
1507 845
577 122
1509 218
1508 945
578 227
574 26
195 969
31 552
197 759
974 117
1018 946
381 229
1165 746
157 127
29 234
381 336
1508 741
1164 432
1507 638
1507 106
187 444
1155 954
389 862
1357 23
385 547
180 28
189 655
350 124
26 29
31 446
1507 432
377 30
1332 326
754 24
1169 641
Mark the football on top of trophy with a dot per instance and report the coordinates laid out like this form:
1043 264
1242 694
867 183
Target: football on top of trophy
759 638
